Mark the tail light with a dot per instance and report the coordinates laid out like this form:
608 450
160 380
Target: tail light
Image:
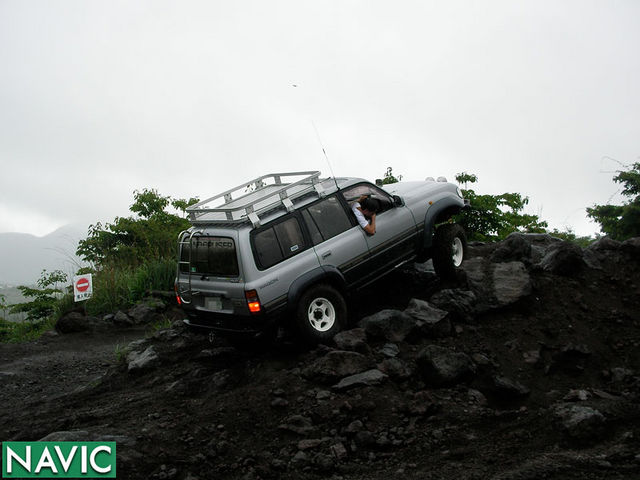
175 287
253 302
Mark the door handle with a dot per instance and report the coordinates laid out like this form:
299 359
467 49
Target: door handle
326 254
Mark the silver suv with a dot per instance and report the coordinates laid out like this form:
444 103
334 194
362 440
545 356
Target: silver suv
287 247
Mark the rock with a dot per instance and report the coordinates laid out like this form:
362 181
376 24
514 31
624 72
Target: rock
67 436
477 397
631 246
323 462
577 396
354 339
515 247
511 282
309 443
300 460
370 377
392 325
508 389
460 304
139 362
337 364
141 313
395 368
604 244
339 451
365 439
390 350
354 427
497 285
74 322
581 423
620 375
431 321
144 312
441 366
122 319
297 424
279 402
563 259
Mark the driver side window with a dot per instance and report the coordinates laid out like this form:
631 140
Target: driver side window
352 195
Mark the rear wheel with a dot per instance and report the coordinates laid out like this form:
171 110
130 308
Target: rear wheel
449 250
321 313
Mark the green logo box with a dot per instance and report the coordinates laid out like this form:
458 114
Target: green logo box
59 460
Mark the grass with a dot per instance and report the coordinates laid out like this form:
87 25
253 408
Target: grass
24 331
113 289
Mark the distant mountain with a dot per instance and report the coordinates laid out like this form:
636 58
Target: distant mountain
24 256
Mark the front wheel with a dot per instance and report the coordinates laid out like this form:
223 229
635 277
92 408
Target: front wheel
321 313
449 250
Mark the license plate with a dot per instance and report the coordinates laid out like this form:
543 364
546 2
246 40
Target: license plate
213 303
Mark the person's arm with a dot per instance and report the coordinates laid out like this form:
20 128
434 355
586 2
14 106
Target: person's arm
371 228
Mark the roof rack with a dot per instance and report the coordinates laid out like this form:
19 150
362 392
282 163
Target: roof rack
256 197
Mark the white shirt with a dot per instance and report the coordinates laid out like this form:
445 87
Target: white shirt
359 215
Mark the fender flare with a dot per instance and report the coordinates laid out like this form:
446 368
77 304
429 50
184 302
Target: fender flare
440 211
326 274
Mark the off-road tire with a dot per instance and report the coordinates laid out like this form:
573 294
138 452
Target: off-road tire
449 250
320 314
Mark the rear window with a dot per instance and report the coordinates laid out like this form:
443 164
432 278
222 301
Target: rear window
214 256
278 242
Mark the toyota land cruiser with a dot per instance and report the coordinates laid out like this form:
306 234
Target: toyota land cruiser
287 247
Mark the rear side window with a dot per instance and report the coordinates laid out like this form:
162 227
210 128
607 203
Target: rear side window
214 256
326 219
278 242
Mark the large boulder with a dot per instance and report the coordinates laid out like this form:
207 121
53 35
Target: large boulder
146 311
431 321
392 325
354 339
138 362
368 378
74 322
460 303
337 364
564 259
497 285
441 366
580 423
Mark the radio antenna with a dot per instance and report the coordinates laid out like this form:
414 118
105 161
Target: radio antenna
325 154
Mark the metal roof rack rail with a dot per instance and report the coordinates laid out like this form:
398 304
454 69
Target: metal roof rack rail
249 200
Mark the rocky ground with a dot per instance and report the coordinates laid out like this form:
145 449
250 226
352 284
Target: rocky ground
528 367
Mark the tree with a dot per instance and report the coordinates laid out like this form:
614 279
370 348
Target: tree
3 305
494 217
621 221
45 297
390 178
132 241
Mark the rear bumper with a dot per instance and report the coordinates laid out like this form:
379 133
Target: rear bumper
228 323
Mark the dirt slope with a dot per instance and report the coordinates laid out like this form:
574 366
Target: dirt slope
526 368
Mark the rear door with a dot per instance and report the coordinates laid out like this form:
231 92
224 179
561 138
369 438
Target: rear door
209 273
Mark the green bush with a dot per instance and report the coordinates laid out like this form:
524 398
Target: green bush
118 288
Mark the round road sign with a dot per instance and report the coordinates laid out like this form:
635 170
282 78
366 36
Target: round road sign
82 285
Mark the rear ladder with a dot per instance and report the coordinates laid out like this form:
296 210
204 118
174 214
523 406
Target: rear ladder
181 243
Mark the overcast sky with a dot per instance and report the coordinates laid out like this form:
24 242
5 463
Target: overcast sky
100 98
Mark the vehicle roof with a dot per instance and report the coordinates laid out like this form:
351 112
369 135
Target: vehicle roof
262 200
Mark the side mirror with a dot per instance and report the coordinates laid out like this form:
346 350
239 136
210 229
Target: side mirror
397 201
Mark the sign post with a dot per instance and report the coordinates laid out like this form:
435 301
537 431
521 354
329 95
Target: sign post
82 287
